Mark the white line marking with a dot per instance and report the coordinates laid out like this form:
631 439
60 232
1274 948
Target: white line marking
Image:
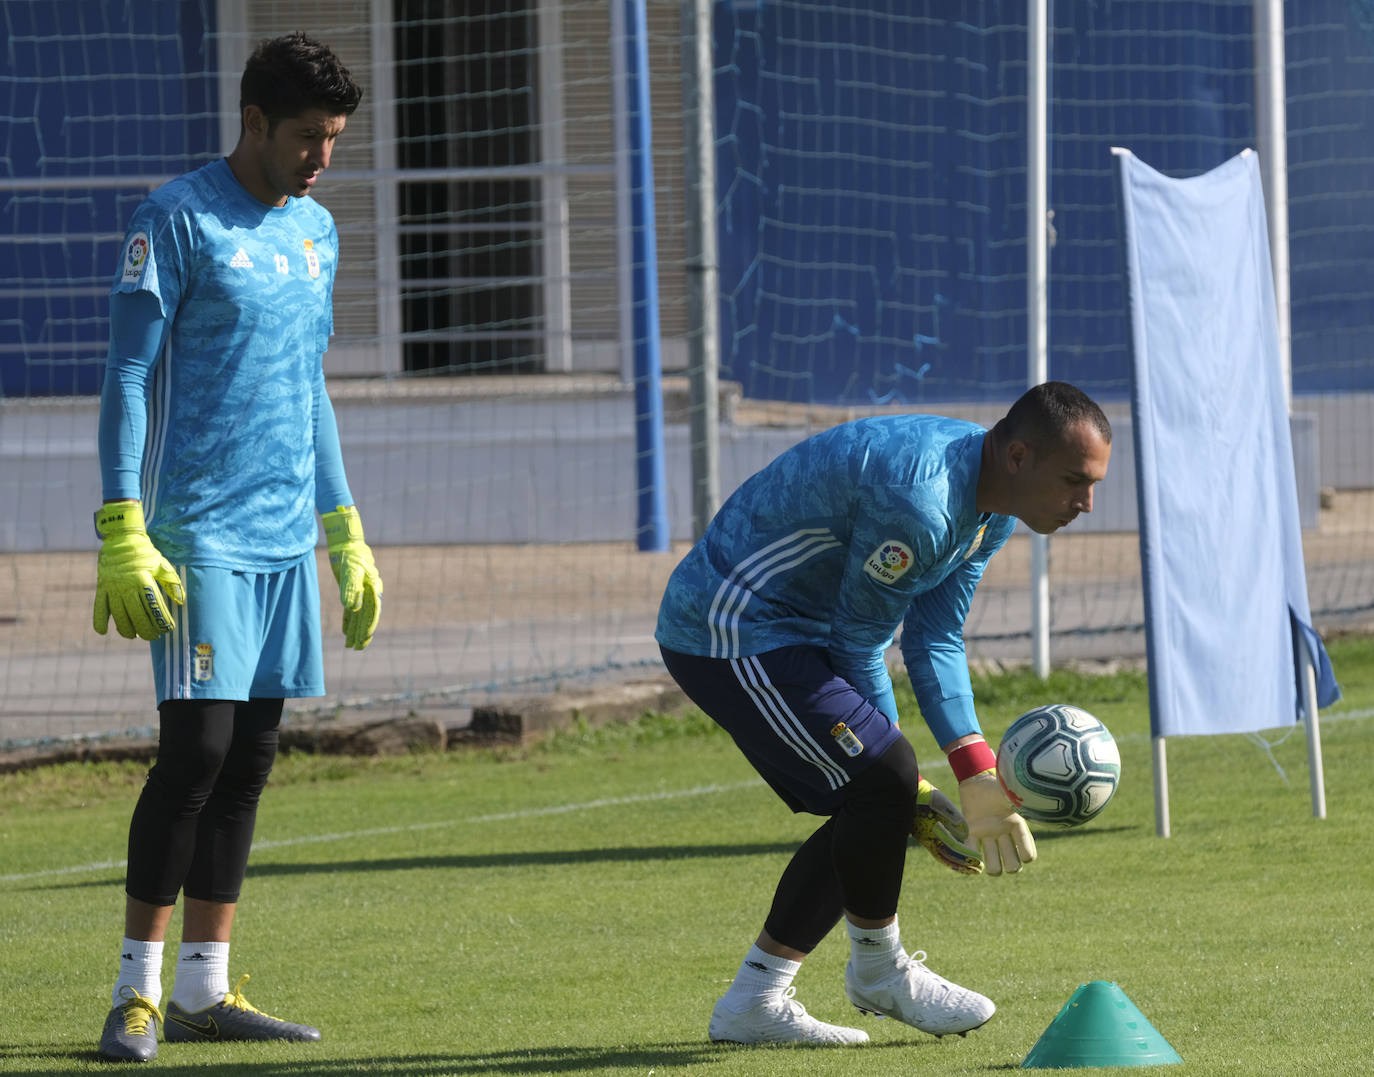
477 820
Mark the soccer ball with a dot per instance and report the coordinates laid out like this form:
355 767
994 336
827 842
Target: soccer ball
1058 765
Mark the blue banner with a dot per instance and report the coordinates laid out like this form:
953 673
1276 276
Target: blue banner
1226 605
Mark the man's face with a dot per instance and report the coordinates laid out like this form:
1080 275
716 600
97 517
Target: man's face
291 158
1053 487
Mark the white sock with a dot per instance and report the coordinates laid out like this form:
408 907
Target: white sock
759 976
202 977
873 951
140 967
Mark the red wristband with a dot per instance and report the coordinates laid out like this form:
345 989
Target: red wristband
972 758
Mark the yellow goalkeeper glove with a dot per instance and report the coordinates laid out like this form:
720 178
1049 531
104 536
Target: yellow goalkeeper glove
360 585
1002 836
131 576
942 832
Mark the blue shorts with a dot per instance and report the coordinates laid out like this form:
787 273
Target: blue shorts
806 730
243 635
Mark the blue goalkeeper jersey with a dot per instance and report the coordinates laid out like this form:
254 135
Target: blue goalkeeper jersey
215 428
858 530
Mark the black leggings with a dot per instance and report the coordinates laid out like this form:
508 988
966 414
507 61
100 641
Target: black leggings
193 824
855 860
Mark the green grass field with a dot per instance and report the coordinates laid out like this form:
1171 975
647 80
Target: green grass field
577 907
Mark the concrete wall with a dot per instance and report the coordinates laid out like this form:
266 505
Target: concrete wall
555 468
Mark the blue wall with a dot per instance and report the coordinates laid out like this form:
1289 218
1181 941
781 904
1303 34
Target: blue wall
871 170
871 181
87 88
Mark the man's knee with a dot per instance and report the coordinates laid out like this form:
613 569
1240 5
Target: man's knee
192 747
887 789
254 748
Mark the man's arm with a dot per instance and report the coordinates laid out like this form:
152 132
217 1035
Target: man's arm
331 482
350 557
137 333
868 608
857 649
884 562
133 580
933 649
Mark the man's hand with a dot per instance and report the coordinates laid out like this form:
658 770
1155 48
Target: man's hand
360 585
131 576
1002 836
942 832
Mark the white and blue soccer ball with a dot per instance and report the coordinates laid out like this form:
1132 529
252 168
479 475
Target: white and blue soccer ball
1058 765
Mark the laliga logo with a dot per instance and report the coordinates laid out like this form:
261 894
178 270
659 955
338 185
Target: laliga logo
135 254
888 561
894 557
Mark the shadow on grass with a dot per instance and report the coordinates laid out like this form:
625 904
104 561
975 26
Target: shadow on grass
528 858
640 1059
514 859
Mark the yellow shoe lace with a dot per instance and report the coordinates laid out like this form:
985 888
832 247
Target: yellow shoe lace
137 1011
237 1001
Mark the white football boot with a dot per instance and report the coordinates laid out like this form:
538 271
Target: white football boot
920 998
778 1019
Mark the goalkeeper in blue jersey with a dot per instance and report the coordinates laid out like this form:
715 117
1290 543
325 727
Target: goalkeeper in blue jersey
776 624
218 445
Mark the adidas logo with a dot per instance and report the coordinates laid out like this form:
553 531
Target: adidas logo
241 260
197 956
758 966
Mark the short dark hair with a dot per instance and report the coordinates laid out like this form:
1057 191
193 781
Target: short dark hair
287 75
1044 413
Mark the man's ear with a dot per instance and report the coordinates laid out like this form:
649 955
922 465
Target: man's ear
255 121
1016 456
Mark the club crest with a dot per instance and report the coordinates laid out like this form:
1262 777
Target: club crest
977 541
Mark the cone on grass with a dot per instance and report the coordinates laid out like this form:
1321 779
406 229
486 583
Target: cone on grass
1100 1026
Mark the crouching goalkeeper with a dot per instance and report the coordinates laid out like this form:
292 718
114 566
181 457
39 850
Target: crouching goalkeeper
776 624
218 444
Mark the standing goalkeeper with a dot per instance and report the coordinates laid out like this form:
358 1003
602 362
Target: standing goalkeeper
217 446
776 624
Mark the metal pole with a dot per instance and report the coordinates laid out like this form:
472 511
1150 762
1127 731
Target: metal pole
703 336
385 199
1161 774
1037 272
1271 128
624 220
1314 736
651 527
555 264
